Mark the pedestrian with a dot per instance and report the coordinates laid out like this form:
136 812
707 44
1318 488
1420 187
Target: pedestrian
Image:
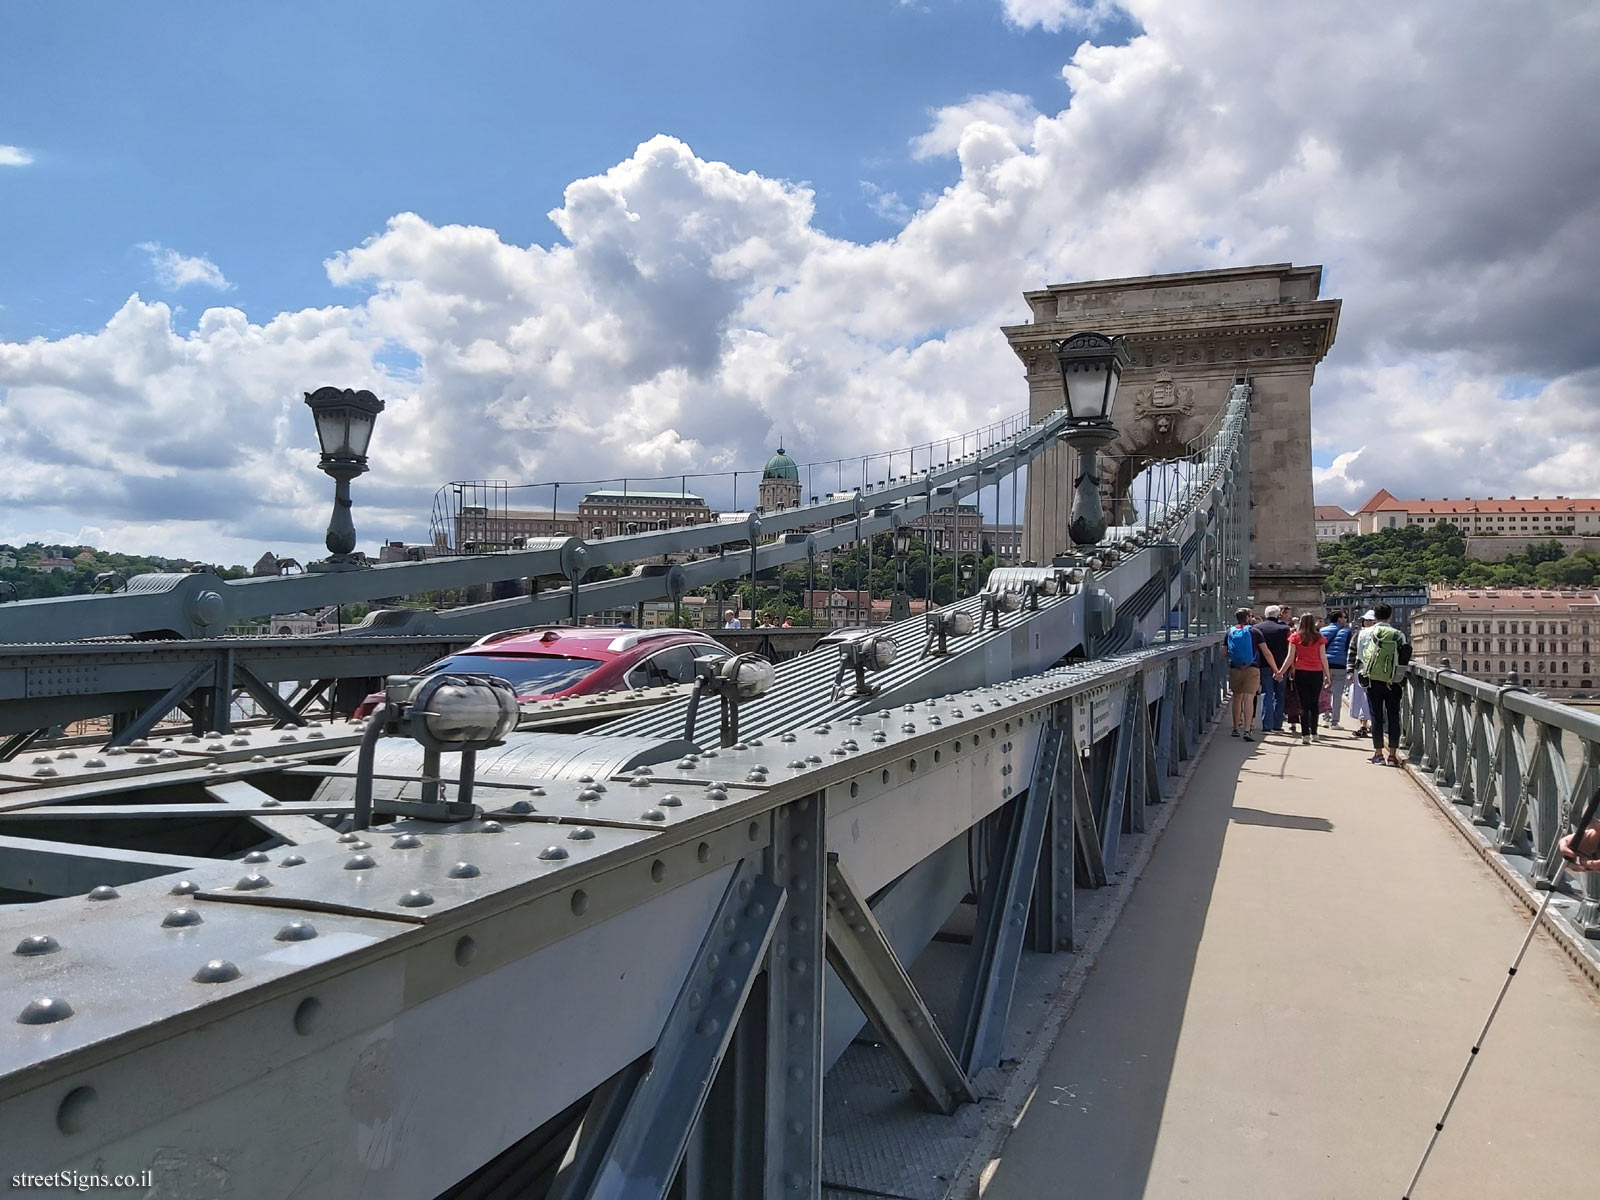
730 620
1244 644
1309 670
1275 653
1360 702
1384 654
1338 633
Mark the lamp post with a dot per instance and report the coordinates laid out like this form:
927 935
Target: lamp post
966 577
900 603
1091 367
344 427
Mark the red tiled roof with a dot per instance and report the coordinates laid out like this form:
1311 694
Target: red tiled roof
1562 504
1332 512
1382 498
1511 599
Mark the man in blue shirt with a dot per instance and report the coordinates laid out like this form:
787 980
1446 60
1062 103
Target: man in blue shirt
1337 634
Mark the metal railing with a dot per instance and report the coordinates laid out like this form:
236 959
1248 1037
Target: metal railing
1512 763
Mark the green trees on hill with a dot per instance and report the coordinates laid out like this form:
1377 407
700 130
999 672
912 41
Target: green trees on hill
1418 555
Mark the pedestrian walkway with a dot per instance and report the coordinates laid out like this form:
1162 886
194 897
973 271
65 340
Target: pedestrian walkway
1286 1002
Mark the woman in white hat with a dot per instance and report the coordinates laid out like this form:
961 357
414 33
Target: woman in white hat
1360 706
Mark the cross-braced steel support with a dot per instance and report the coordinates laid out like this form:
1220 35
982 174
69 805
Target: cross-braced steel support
991 976
870 970
648 1142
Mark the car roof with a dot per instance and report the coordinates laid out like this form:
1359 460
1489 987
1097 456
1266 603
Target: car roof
583 641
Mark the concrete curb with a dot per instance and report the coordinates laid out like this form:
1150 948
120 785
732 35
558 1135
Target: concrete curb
1583 953
973 1175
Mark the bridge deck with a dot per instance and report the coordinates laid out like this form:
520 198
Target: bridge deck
1288 997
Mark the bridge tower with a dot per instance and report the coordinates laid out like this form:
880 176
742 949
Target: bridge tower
1191 337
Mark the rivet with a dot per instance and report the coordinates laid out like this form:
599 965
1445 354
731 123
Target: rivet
797 764
191 740
406 841
36 944
138 743
581 834
521 806
347 838
669 802
703 852
652 814
708 1026
46 1010
184 887
708 754
580 902
466 949
639 781
93 763
255 758
292 860
491 827
307 1015
180 918
788 737
46 772
644 771
415 898
589 796
218 970
239 741
359 862
269 802
658 870
255 856
536 791
169 753
553 852
41 760
252 882
104 892
463 870
296 931
316 735
585 778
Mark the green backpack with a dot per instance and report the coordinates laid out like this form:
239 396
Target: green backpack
1382 658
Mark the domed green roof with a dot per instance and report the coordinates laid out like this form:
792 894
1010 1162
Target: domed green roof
781 466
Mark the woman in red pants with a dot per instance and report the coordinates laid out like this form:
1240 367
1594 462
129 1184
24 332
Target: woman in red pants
1308 667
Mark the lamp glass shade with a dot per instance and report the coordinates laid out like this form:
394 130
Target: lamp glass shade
902 542
1091 368
344 420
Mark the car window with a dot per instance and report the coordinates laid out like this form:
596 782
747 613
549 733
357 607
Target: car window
528 674
672 665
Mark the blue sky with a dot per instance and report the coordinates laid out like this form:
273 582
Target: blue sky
796 220
266 137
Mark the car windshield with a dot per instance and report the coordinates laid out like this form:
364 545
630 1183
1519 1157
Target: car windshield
529 674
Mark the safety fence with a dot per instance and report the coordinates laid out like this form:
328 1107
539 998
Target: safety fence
1512 763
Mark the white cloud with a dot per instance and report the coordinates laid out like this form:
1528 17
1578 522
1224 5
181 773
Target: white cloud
14 156
1055 15
176 270
1012 115
886 204
689 311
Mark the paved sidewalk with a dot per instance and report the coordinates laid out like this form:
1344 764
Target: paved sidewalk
1285 1004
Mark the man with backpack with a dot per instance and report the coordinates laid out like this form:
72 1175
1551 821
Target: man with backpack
1245 646
1384 653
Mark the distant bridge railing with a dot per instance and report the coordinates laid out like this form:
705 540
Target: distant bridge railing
1512 764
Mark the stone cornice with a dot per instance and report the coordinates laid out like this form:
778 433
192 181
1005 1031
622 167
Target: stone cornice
1198 338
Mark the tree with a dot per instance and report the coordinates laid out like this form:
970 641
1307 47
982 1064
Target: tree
1543 552
1566 572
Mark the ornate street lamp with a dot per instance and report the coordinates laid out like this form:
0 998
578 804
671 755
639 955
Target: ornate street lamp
900 603
1091 368
344 427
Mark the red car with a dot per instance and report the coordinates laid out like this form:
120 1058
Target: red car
543 664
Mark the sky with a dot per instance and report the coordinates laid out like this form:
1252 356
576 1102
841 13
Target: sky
570 241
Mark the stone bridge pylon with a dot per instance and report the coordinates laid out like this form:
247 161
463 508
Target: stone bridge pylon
1191 336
